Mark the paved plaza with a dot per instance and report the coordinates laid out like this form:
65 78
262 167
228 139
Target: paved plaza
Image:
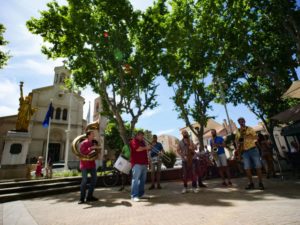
278 204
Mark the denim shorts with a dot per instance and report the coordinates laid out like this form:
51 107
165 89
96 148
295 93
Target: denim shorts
251 158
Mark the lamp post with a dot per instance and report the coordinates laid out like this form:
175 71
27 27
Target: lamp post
68 129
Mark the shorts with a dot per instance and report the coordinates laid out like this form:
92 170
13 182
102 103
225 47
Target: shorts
221 160
155 164
251 157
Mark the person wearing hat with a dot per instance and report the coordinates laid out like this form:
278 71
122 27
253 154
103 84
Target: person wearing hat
246 143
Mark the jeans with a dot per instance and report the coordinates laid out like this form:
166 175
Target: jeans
139 176
91 186
251 156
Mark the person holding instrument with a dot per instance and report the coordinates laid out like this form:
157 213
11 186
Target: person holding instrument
246 143
139 162
217 145
155 160
186 149
88 146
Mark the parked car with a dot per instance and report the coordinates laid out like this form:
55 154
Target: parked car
178 163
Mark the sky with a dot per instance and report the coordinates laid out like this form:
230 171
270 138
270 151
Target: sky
29 65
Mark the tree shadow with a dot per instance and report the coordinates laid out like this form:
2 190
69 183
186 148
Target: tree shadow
214 195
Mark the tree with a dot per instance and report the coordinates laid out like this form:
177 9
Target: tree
4 56
109 46
252 59
113 140
186 65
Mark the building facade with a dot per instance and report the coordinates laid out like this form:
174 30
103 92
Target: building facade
67 105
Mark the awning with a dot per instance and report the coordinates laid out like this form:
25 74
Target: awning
293 91
290 115
291 130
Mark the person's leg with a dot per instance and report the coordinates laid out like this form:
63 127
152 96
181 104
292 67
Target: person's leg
83 185
92 185
220 169
270 164
152 176
225 167
136 174
184 176
247 167
143 179
257 163
158 174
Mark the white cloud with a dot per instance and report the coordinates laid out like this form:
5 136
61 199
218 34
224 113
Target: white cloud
150 113
168 131
43 67
8 97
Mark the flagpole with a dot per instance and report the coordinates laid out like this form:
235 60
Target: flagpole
47 147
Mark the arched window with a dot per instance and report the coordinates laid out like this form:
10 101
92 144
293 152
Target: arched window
65 114
57 114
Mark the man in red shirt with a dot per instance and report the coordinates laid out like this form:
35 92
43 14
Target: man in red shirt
139 162
88 166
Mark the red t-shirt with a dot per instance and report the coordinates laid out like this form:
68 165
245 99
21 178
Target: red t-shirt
85 149
137 157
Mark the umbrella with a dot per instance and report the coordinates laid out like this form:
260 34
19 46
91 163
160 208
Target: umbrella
293 91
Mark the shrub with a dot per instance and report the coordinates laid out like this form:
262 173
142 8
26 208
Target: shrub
172 159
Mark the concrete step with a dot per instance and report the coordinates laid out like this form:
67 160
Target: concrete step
15 183
37 193
38 186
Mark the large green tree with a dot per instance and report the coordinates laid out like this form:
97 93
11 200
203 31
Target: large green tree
111 47
4 56
186 65
252 58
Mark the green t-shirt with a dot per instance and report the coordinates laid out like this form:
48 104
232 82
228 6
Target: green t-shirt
126 151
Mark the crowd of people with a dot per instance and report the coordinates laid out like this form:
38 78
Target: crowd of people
252 151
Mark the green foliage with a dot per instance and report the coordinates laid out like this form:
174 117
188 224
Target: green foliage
172 157
68 173
4 56
109 46
113 140
186 65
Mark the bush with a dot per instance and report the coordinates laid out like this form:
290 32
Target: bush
172 159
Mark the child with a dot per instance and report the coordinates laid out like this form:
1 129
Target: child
39 166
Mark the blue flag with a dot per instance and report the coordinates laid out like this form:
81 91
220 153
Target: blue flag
48 115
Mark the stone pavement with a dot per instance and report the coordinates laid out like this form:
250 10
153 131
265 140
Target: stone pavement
278 204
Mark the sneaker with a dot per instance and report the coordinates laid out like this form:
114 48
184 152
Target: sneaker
158 186
261 186
92 199
184 190
81 201
202 185
224 184
151 187
229 183
195 190
135 199
249 186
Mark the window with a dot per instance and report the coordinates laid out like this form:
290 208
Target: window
57 114
65 114
15 149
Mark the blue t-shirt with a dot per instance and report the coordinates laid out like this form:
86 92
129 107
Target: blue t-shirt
219 140
156 149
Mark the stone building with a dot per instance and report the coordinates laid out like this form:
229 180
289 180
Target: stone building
65 103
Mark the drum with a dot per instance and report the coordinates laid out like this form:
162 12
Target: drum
122 165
